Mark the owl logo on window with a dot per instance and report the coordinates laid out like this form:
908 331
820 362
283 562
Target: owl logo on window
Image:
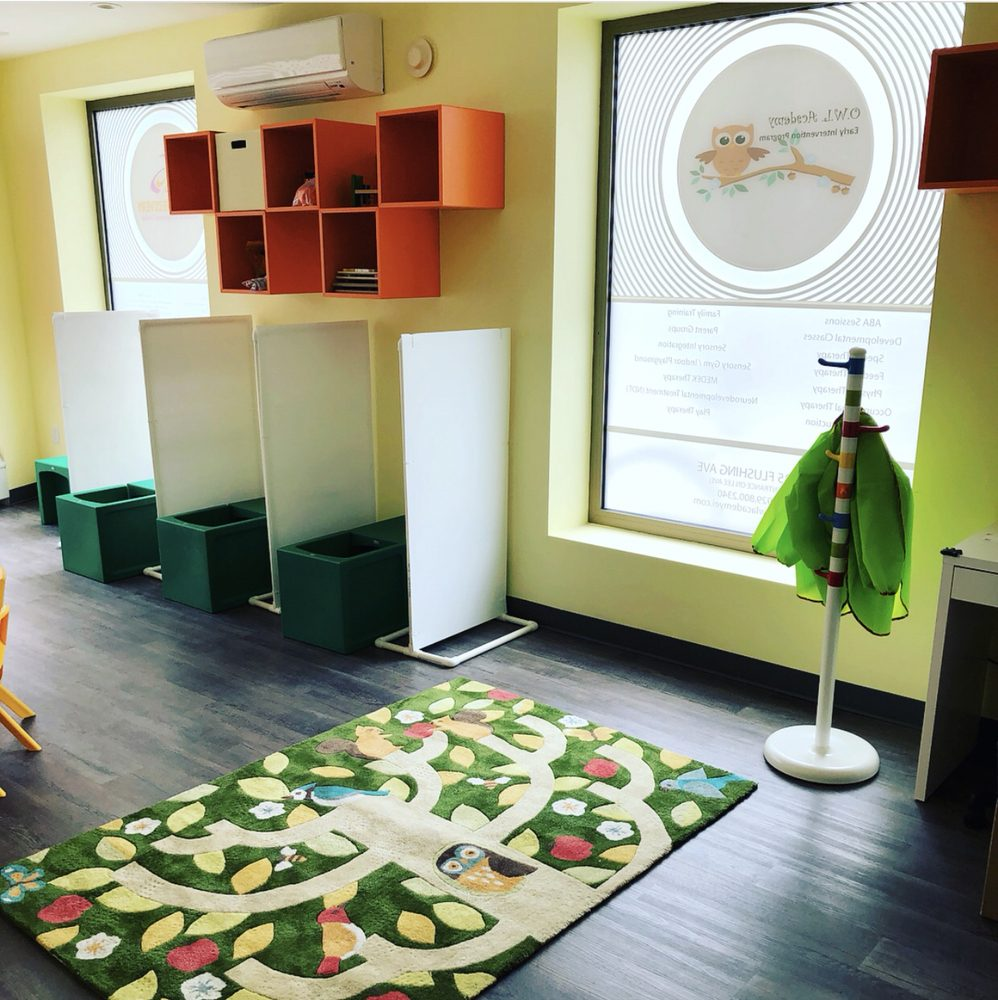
479 870
732 150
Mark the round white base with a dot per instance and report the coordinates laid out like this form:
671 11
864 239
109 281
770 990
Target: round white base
849 758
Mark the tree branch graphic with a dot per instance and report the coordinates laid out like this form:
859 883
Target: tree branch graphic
798 165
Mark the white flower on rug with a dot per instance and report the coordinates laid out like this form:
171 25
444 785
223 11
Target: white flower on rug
99 946
144 825
267 810
569 807
491 782
573 721
615 830
288 858
408 716
203 987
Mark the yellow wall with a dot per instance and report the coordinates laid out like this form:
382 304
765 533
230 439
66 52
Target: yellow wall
518 268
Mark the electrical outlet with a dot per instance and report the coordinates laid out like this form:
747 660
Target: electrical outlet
55 435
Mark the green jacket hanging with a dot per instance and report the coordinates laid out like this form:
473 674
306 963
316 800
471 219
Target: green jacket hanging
880 517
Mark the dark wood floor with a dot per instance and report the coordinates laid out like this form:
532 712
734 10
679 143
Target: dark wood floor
800 892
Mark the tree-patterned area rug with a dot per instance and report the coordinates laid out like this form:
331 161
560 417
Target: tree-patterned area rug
417 853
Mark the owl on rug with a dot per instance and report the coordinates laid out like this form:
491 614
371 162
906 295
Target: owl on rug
732 150
479 870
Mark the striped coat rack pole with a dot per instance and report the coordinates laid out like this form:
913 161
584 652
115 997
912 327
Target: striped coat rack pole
820 753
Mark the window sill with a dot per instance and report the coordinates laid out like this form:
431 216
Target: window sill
711 557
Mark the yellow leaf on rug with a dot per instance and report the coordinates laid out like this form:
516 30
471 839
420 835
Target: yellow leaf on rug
459 916
674 760
526 843
416 927
529 741
340 896
470 984
193 794
475 687
462 756
603 732
331 845
330 771
215 923
60 936
613 812
629 746
275 763
622 855
397 788
252 876
570 784
85 878
441 706
115 849
252 941
185 817
588 874
162 931
140 989
113 824
381 716
301 814
686 813
450 777
212 862
510 796
469 817
264 788
125 901
523 706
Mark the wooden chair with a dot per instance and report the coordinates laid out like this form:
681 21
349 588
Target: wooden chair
8 698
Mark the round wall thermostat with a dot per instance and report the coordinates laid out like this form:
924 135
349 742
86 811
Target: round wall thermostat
419 57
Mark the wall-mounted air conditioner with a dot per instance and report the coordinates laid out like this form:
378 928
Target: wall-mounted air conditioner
331 59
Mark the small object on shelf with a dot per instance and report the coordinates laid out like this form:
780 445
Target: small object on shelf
305 195
256 284
364 196
356 279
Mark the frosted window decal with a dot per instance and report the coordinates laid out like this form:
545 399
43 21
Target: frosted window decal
765 212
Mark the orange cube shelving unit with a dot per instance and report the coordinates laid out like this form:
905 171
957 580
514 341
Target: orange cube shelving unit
422 160
960 142
441 157
191 177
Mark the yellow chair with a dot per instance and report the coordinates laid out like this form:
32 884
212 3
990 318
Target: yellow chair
9 698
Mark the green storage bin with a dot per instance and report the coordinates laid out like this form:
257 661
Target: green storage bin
109 534
52 480
343 591
217 557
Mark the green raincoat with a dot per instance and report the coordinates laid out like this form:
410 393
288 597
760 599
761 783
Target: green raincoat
879 560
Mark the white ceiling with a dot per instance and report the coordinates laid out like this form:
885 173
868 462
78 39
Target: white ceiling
41 25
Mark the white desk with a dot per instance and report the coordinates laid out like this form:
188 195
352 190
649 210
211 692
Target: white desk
966 616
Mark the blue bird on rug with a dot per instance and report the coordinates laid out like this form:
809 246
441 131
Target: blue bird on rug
697 783
327 795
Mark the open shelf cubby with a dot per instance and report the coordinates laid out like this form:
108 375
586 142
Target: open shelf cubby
441 157
330 151
294 257
960 143
413 162
241 253
190 171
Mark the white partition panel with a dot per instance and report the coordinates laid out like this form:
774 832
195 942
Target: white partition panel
455 429
201 391
99 356
314 391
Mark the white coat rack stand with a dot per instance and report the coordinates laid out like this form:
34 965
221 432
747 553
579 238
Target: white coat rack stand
820 753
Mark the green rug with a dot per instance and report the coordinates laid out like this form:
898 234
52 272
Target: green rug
417 853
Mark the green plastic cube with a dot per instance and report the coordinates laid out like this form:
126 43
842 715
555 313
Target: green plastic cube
217 557
109 534
52 480
343 591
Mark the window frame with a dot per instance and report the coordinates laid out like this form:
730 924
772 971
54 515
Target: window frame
612 30
110 104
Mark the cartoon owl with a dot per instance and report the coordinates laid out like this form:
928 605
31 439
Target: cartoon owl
733 150
479 870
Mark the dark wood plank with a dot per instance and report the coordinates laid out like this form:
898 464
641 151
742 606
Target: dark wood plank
801 893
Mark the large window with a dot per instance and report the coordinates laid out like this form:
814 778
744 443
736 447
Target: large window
152 261
758 209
